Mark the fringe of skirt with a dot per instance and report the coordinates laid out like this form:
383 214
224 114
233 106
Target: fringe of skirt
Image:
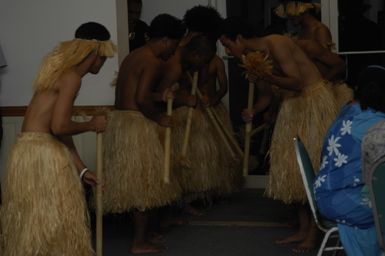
44 210
308 115
199 171
133 165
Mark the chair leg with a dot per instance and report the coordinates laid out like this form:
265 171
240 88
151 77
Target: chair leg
325 240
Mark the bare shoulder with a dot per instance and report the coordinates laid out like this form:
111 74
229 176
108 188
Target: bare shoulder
69 79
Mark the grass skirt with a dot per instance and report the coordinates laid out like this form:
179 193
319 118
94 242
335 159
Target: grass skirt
231 176
308 115
199 173
44 211
133 165
343 94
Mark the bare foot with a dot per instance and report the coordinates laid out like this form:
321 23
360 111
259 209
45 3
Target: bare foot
146 247
307 245
295 238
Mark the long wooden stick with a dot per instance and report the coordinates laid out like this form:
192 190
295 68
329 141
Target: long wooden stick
189 117
228 133
167 146
99 195
216 125
249 126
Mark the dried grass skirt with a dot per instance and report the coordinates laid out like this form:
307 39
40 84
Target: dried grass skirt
308 115
199 171
44 211
133 165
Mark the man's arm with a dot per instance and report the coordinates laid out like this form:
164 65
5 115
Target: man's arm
144 92
323 37
88 177
334 63
264 98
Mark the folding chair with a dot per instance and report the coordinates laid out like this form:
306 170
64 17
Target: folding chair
377 197
308 176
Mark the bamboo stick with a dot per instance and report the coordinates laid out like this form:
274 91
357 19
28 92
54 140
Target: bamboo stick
249 126
99 198
189 118
228 133
167 145
259 129
217 127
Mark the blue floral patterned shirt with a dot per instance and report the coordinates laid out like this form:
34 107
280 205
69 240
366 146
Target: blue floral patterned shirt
339 183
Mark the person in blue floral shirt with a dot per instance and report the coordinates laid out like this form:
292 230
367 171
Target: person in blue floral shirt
339 186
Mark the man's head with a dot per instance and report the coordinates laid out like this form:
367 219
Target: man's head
92 30
370 88
91 44
198 52
234 30
134 9
168 30
203 19
95 31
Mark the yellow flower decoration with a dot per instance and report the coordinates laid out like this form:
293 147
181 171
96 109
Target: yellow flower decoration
257 65
294 8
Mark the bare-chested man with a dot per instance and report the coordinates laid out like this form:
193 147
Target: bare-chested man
133 150
307 110
198 179
332 68
44 210
315 39
309 27
229 163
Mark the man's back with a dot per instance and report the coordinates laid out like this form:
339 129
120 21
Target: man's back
43 105
131 73
292 60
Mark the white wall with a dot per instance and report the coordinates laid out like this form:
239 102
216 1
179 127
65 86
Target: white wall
30 29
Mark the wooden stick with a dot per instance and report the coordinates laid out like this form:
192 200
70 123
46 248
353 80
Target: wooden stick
167 145
228 133
216 125
99 198
259 129
189 117
249 126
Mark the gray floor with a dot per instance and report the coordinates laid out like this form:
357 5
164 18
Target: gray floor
245 224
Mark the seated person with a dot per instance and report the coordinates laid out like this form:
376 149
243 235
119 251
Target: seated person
339 184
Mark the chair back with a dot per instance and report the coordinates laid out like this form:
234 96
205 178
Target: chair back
377 196
308 176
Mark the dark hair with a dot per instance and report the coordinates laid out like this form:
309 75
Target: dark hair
370 88
165 25
233 26
201 46
92 30
204 19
